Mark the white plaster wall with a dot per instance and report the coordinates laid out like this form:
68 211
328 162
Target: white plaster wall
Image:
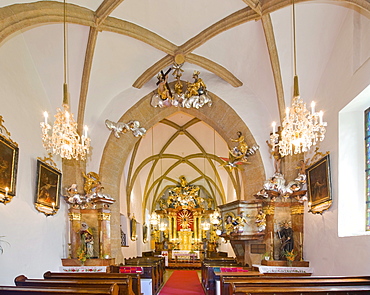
36 242
342 81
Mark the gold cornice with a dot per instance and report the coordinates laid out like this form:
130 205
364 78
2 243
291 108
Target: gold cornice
104 216
74 216
297 209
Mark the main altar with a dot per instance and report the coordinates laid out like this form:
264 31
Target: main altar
182 220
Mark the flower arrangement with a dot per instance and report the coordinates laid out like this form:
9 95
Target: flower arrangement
82 255
265 256
290 256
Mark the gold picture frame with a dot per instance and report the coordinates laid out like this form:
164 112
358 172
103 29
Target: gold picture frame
133 225
319 185
9 153
48 187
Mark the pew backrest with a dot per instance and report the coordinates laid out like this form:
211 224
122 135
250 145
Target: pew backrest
125 285
18 290
116 277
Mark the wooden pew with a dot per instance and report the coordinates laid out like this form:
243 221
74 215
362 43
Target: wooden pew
208 274
154 268
116 277
322 290
229 283
125 285
160 261
150 271
17 290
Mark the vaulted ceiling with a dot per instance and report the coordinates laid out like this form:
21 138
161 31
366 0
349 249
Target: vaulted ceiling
242 48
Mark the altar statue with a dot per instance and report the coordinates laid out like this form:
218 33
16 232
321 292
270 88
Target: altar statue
286 238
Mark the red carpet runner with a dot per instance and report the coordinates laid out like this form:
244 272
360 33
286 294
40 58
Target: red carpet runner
184 282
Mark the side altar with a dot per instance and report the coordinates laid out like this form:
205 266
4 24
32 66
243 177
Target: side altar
89 224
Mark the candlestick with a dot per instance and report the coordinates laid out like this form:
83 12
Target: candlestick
300 238
273 127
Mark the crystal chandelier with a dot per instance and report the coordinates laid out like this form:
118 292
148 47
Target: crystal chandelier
154 219
301 128
64 139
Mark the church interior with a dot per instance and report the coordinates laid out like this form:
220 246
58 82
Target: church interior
194 134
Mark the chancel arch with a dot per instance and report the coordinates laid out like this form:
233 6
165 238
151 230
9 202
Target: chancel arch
220 117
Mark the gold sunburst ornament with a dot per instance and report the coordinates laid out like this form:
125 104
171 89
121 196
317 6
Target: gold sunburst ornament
185 219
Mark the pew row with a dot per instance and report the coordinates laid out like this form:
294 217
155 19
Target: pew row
125 285
208 277
152 275
318 290
18 290
115 277
230 284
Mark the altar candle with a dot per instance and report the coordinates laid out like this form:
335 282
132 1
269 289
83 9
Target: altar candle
271 236
6 191
273 127
300 238
53 204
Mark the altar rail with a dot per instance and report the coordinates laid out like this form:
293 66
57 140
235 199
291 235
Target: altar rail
231 285
115 277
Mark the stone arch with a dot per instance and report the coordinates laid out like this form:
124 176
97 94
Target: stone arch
219 116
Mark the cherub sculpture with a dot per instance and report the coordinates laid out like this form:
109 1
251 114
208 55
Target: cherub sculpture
121 128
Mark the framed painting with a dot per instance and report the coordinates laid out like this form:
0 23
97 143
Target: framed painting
48 186
133 225
319 185
8 167
145 233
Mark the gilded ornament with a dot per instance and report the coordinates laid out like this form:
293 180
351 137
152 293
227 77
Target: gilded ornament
74 216
104 216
